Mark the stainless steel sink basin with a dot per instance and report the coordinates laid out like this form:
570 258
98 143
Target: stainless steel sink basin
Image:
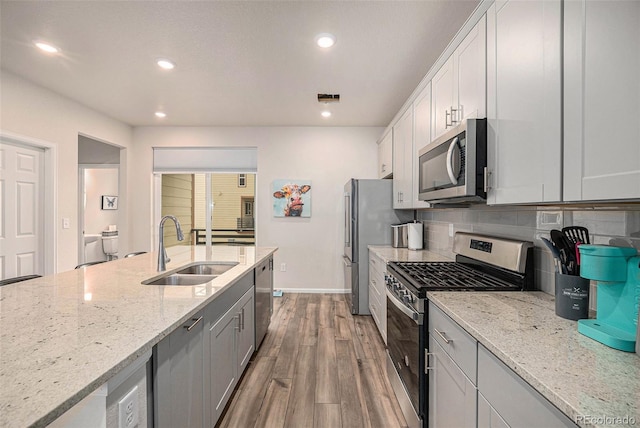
207 268
179 279
193 274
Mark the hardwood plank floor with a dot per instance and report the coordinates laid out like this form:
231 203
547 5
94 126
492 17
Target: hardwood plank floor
318 367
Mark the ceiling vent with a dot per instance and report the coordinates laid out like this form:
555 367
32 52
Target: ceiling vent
328 98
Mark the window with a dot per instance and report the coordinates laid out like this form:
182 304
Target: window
242 180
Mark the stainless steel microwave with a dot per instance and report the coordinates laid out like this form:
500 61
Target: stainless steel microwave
453 167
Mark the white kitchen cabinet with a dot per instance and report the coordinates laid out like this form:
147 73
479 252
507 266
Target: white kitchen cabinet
385 156
524 101
378 293
452 372
402 171
511 398
178 376
452 395
421 137
405 152
442 85
602 100
459 87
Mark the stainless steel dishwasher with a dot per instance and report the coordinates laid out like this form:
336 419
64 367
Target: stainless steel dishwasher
264 298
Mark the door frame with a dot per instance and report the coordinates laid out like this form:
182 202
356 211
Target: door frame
50 187
81 208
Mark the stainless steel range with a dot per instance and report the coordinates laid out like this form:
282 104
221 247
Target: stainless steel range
483 263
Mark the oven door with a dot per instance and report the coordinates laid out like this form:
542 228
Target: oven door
404 342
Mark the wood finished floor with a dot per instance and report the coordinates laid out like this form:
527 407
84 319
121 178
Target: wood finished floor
318 366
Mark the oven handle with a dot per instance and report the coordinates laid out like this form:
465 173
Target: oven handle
415 316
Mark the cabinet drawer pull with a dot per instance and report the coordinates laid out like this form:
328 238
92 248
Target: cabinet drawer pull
197 320
447 341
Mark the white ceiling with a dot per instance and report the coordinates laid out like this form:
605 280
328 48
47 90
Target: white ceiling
239 63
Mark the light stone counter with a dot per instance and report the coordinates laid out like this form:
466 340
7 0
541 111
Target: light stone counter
64 335
390 254
580 376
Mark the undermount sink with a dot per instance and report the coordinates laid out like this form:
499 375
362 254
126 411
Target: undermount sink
207 268
178 279
193 274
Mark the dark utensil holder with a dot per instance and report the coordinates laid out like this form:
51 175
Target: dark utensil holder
572 297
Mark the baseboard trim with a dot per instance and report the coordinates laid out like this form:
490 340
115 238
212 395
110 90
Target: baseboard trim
314 290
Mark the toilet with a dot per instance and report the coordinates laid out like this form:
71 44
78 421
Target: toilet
110 244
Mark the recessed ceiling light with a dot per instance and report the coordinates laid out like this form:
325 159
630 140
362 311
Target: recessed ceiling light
46 47
325 40
161 115
326 113
165 64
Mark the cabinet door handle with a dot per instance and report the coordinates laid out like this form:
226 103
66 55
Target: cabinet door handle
454 119
242 319
447 341
446 119
486 174
197 320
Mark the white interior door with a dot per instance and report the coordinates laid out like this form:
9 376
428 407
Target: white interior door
21 211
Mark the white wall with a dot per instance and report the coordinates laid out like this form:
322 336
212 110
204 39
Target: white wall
311 247
31 111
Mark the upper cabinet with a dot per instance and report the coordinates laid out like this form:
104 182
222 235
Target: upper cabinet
402 171
602 100
385 156
524 144
421 137
410 133
459 87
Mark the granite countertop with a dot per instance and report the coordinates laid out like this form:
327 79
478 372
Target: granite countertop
62 336
592 384
391 254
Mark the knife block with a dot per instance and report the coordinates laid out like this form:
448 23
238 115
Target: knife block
617 271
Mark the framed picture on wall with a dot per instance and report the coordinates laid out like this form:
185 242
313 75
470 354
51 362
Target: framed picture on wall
109 202
291 198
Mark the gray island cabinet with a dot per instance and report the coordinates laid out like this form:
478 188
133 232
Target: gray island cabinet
197 366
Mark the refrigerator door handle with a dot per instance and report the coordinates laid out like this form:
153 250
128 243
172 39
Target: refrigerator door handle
347 219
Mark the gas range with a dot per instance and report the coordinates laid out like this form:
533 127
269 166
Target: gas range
483 263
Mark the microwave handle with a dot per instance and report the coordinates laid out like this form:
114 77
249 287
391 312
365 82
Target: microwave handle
452 176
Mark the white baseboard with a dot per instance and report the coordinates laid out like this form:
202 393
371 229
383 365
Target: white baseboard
314 290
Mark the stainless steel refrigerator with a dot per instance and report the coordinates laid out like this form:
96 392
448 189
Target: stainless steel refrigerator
368 216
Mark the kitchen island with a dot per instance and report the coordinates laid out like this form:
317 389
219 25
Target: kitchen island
65 335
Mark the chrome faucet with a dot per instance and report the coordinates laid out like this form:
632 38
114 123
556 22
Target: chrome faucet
162 252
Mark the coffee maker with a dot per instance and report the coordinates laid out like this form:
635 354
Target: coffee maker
617 271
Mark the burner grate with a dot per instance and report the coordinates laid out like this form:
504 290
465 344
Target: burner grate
452 276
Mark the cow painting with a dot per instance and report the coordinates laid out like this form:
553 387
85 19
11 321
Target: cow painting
290 199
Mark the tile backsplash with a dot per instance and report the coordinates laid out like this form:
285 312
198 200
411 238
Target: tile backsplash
619 225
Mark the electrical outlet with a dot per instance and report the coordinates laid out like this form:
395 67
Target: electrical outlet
129 410
66 223
283 267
